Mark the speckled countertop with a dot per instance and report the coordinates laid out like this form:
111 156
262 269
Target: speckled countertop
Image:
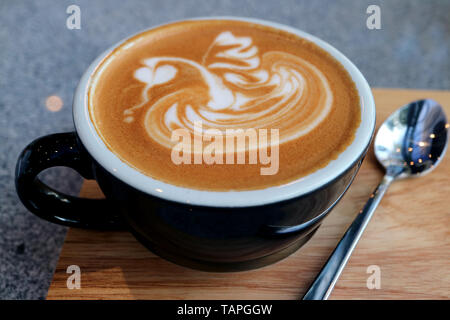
40 57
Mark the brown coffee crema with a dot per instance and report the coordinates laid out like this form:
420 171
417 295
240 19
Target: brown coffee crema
224 74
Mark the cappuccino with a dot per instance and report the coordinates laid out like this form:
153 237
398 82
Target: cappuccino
227 75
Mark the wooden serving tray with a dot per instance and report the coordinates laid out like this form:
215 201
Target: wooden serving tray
408 238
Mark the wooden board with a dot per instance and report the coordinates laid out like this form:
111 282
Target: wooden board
408 238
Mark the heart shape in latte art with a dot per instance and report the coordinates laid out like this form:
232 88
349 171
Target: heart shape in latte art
233 87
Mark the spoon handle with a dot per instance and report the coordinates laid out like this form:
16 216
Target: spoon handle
325 281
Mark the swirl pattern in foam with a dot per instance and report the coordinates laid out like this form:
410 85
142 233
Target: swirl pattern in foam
237 88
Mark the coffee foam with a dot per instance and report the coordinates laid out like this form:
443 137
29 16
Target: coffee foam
228 75
247 91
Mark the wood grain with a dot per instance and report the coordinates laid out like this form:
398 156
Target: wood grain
408 238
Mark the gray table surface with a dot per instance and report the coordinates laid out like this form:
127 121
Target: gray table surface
40 57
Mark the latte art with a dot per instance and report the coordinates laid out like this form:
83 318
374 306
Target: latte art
238 80
237 87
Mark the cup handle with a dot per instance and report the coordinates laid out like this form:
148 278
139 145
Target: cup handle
61 149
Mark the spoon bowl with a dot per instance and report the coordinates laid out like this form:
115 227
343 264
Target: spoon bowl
413 139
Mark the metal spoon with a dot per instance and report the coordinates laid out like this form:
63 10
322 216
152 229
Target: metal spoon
410 143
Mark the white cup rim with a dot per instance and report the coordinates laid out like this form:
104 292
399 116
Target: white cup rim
119 169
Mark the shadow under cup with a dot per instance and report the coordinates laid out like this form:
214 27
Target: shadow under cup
213 231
